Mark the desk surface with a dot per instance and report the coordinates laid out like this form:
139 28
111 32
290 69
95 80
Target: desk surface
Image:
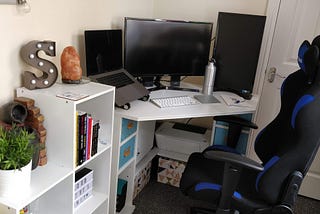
147 111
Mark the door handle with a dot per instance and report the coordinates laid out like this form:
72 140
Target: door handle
271 74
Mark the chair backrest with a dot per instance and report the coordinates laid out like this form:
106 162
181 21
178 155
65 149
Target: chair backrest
290 142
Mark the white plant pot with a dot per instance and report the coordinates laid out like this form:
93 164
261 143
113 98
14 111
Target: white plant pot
15 183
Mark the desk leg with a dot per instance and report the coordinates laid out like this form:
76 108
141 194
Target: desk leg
145 136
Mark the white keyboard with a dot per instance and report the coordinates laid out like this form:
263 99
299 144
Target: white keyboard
165 102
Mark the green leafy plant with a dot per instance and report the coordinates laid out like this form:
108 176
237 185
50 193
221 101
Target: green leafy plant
15 148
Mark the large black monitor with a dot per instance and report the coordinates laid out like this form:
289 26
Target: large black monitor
155 48
103 50
236 51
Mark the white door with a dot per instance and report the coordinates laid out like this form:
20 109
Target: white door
296 21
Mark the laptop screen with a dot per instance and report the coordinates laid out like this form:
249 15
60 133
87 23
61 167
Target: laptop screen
103 51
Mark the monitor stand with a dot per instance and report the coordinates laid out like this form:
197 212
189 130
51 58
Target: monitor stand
146 81
155 84
175 81
206 98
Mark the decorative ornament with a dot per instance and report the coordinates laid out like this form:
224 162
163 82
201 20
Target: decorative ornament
35 121
29 54
15 112
71 71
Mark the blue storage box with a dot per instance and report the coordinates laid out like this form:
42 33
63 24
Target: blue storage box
127 151
128 128
221 134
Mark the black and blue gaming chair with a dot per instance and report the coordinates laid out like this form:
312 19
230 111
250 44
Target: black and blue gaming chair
286 147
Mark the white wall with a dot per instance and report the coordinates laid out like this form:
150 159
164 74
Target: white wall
206 10
64 21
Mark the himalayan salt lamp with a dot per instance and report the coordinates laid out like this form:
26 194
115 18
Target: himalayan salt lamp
71 71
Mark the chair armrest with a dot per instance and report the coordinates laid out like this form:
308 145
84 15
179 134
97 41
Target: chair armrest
236 120
234 159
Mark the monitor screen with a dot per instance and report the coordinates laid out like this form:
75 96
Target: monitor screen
162 47
103 50
236 50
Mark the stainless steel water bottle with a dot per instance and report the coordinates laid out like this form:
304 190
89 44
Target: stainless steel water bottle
209 77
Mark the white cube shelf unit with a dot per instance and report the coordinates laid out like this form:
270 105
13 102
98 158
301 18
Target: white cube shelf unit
51 189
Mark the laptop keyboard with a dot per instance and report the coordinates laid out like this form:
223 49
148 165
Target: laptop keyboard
117 80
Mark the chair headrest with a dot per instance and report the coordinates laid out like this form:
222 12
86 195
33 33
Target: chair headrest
302 50
316 41
308 58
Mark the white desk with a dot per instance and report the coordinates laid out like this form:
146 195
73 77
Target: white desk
146 113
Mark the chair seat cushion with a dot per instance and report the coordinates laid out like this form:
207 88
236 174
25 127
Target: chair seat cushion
202 180
200 170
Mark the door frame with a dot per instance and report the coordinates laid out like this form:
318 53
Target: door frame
311 179
270 26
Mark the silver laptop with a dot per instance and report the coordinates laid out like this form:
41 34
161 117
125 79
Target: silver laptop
128 88
104 65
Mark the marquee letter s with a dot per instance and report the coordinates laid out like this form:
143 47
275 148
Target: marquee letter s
29 53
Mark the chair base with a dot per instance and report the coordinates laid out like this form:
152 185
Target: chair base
200 210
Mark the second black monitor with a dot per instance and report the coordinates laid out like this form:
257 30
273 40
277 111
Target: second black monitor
236 50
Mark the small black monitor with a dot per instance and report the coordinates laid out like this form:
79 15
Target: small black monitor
164 47
236 51
103 50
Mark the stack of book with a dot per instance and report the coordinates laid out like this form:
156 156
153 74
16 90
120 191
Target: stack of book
86 137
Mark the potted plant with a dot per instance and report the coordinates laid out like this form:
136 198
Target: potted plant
16 153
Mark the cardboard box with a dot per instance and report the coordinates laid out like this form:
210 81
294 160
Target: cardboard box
170 171
141 179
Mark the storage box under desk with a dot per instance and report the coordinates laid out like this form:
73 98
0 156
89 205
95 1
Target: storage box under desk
141 179
170 171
